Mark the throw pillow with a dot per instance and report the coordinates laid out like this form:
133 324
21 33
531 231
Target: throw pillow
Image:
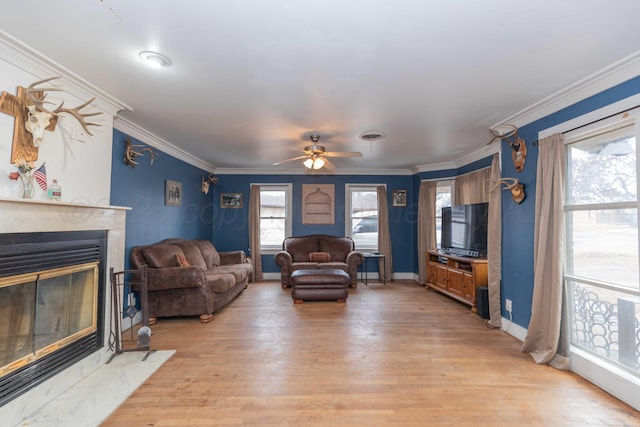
182 261
319 256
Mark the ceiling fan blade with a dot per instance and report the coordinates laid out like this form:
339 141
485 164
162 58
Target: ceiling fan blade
343 154
290 160
328 165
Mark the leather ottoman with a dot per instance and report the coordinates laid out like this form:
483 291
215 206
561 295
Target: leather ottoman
319 284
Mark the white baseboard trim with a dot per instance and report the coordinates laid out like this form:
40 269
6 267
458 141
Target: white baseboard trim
514 330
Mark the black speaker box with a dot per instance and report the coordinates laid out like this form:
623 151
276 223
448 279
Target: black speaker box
483 302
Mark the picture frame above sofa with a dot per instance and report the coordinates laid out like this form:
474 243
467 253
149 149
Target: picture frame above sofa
231 200
172 193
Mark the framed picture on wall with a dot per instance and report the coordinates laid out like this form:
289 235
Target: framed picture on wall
399 197
172 193
231 200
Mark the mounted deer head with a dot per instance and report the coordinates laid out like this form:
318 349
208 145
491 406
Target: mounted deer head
39 116
212 179
516 188
517 144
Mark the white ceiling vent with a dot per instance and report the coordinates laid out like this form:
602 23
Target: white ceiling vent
371 135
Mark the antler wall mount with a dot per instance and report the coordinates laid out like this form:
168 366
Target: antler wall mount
517 144
132 151
206 182
516 188
32 118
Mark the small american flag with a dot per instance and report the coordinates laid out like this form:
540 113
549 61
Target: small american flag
41 176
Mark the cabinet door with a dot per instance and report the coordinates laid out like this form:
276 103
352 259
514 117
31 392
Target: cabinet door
469 288
441 273
431 272
456 282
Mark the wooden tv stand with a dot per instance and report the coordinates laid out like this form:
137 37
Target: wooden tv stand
456 276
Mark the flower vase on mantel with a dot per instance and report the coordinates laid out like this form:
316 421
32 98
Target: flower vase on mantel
28 189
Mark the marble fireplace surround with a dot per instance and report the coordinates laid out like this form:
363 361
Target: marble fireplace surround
20 216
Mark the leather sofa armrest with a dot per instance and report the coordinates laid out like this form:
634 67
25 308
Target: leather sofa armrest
354 258
232 257
284 260
160 279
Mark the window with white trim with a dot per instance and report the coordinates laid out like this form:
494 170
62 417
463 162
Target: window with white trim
602 258
275 215
444 193
361 223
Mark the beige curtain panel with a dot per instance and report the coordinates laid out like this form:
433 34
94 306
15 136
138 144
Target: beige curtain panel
384 237
254 232
426 225
494 246
548 252
472 187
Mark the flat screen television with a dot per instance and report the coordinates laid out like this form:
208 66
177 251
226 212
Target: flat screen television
464 229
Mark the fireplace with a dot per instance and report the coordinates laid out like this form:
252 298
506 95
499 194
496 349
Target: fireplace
52 288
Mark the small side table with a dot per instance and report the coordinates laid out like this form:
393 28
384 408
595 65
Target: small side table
364 270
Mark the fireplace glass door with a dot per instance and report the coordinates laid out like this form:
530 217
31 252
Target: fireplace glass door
44 311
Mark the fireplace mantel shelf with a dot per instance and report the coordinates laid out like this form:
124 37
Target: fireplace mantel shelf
53 203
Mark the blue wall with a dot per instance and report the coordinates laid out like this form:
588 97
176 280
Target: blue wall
142 189
518 220
231 228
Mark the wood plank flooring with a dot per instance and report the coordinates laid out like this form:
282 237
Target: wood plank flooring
394 355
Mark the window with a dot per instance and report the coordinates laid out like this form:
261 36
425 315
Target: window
275 215
602 261
362 216
443 199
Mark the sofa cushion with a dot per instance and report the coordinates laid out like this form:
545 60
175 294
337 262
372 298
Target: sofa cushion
192 253
220 282
300 247
235 269
181 261
338 247
161 256
208 252
319 257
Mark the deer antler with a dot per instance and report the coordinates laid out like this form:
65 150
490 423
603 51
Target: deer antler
38 97
130 154
506 135
516 188
75 112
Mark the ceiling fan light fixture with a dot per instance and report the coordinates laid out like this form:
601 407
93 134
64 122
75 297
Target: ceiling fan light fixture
371 135
314 163
154 59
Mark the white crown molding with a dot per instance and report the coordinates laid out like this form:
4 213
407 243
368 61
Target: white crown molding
486 151
302 171
617 73
153 140
33 62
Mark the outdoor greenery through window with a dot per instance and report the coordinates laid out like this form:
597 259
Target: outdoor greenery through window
362 216
275 215
602 261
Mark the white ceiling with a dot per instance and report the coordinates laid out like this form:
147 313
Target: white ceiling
252 78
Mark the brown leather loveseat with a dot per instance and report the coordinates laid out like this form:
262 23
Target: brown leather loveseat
190 277
318 251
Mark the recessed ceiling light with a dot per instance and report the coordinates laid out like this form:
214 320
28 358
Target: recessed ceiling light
154 59
371 135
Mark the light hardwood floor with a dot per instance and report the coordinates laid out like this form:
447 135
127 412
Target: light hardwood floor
392 355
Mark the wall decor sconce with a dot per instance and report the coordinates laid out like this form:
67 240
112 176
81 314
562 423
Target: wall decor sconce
132 151
516 188
517 144
206 182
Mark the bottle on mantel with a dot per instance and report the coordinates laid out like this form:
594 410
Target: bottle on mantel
55 191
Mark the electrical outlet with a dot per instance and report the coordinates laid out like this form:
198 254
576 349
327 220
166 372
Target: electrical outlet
508 305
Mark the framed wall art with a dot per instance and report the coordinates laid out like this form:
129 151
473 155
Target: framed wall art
318 203
231 200
399 197
172 193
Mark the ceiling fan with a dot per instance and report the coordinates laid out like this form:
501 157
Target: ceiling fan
316 156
